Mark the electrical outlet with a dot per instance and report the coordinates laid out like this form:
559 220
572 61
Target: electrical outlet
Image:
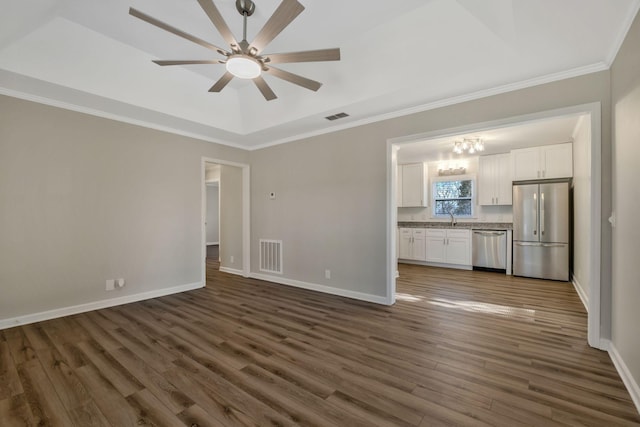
272 195
120 283
327 274
232 259
111 285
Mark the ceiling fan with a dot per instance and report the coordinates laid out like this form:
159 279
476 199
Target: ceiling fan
243 59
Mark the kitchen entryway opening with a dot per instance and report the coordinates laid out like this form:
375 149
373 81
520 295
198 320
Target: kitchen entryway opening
435 197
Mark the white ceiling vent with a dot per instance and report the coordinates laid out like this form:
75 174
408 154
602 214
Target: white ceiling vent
271 256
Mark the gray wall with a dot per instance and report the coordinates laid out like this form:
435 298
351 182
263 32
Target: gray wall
625 77
84 199
330 209
582 205
213 214
231 217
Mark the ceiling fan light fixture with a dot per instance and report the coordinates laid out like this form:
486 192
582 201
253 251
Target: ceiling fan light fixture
243 66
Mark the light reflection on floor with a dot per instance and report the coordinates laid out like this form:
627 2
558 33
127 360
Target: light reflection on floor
408 297
472 306
483 307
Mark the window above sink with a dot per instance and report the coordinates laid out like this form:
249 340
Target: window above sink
453 196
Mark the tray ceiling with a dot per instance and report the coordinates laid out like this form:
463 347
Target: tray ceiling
397 57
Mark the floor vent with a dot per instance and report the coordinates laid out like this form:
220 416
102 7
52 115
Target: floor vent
271 256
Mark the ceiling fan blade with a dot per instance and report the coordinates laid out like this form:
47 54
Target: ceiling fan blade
153 21
218 21
186 62
284 14
222 82
305 56
294 78
264 88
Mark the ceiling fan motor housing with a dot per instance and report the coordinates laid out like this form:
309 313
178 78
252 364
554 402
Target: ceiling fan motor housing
245 7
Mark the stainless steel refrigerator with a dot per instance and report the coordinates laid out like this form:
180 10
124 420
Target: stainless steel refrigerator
541 229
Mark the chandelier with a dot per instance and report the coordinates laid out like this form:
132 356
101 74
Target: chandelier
470 145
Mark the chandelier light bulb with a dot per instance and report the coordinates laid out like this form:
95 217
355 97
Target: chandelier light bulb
470 145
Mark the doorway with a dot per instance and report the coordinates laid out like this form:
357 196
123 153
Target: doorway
225 217
598 316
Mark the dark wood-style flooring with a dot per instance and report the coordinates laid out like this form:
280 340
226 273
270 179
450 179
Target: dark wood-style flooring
458 348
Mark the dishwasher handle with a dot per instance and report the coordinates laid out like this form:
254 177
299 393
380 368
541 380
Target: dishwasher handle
490 233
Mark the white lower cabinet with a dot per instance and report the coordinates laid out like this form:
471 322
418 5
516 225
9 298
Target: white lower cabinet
412 244
448 246
436 245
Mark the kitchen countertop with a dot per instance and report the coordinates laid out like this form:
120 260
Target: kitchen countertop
463 225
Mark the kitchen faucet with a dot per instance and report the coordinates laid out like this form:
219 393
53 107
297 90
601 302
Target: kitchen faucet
453 219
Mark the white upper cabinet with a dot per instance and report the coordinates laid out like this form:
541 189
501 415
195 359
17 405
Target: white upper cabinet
494 180
558 161
549 161
413 180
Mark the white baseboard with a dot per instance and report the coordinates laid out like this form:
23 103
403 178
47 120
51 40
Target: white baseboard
436 264
231 271
212 243
96 305
324 289
625 374
580 290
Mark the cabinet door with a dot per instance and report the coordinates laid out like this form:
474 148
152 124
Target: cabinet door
525 164
419 245
557 161
435 246
486 180
458 250
504 187
406 237
413 185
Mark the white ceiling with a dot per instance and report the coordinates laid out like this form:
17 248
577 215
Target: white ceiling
534 133
397 57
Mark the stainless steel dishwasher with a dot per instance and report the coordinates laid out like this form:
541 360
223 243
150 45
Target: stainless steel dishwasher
490 250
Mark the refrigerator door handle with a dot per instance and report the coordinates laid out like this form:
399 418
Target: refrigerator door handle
535 200
527 244
554 245
542 214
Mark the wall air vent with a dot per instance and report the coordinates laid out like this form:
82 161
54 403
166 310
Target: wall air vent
271 256
337 116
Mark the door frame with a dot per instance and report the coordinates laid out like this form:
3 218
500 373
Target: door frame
246 214
596 315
